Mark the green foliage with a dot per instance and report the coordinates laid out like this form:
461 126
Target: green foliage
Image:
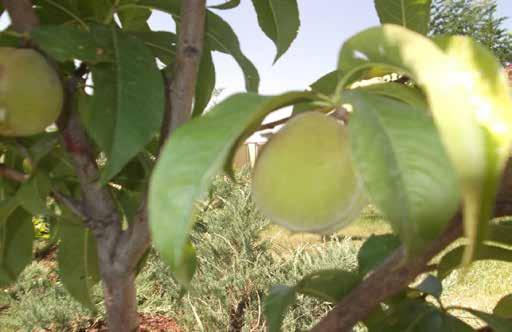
16 235
77 260
412 14
440 68
407 174
181 177
279 19
474 18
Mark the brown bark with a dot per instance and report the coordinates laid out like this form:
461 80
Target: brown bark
188 56
121 302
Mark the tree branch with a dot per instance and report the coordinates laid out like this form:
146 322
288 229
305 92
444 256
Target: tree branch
12 174
394 274
23 16
180 90
183 80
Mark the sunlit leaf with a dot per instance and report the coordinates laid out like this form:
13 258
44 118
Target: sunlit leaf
397 150
197 151
462 80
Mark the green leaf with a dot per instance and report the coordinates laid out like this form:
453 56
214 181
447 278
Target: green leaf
416 315
277 302
411 14
32 194
430 285
205 83
128 102
98 9
219 37
279 20
498 324
161 43
397 150
16 236
453 258
503 308
134 19
325 85
78 262
462 80
401 92
226 5
189 161
328 285
67 43
374 250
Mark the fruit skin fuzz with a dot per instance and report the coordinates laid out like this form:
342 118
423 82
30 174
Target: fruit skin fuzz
31 94
304 179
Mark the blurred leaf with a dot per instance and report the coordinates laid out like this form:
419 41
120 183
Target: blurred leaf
328 285
397 150
134 19
277 302
67 43
205 83
462 80
430 285
57 11
78 262
127 106
500 232
411 14
417 316
161 43
279 20
374 250
99 9
503 308
219 36
16 236
229 4
42 147
453 258
325 85
401 92
189 161
33 193
498 324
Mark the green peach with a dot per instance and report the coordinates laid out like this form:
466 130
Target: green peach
31 93
304 178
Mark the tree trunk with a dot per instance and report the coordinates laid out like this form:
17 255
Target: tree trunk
121 302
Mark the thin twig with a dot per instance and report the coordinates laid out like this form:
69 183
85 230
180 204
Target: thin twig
12 174
23 16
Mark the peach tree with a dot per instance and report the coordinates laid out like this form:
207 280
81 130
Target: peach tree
133 151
